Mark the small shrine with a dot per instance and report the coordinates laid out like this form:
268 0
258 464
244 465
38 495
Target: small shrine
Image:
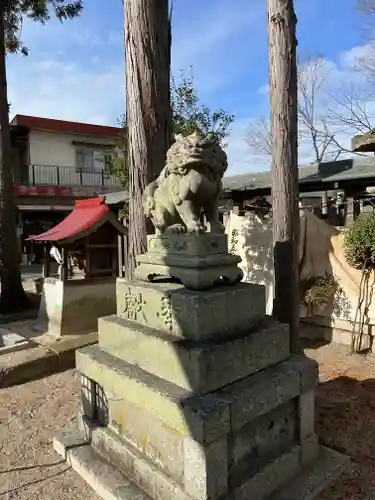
87 249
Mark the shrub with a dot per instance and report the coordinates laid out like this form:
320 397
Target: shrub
359 242
318 291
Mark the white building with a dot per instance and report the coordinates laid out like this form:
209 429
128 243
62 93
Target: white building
56 162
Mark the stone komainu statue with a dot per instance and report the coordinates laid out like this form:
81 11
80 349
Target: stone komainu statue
190 184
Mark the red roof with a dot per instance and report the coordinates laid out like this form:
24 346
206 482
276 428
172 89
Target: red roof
52 125
85 214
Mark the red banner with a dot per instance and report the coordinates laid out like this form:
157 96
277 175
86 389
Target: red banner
54 191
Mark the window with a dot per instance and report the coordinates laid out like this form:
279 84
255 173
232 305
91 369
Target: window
90 161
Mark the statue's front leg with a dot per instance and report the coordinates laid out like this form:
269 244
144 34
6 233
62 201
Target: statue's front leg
190 217
211 212
159 219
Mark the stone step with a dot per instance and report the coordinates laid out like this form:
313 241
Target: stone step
316 478
235 455
220 312
203 418
205 474
110 484
199 367
104 478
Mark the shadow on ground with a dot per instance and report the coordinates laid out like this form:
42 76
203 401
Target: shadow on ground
345 417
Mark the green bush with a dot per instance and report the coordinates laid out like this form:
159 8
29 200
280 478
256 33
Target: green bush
359 242
318 291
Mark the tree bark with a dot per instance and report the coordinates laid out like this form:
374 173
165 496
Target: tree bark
13 297
148 108
282 45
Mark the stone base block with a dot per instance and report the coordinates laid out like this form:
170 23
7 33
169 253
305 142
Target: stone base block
199 261
203 418
245 440
198 367
220 312
193 245
192 277
110 484
74 307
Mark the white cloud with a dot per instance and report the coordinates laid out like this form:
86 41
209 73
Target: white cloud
66 91
76 73
240 159
341 84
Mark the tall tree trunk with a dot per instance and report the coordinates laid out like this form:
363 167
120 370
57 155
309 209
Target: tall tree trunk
282 45
148 108
13 297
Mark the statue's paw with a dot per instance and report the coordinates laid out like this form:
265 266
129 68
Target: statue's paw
176 200
196 228
177 229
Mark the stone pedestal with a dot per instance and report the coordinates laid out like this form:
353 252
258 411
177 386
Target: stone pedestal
197 261
193 395
73 307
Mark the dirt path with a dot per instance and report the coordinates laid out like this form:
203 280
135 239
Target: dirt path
31 414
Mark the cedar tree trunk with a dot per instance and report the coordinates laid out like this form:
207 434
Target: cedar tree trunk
148 108
282 45
13 297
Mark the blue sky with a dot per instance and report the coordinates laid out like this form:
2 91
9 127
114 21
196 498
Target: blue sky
75 71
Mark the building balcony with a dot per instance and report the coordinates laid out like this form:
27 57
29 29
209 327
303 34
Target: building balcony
42 175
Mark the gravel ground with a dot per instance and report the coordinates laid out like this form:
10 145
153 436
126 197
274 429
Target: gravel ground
31 414
346 418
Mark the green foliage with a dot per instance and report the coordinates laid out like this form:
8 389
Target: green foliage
359 242
37 10
189 115
318 291
116 162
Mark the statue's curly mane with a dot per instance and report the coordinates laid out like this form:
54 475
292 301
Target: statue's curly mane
193 150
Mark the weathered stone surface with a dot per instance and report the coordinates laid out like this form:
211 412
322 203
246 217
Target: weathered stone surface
306 410
162 399
261 393
194 245
74 307
261 441
221 312
309 450
105 480
142 472
328 467
193 278
203 418
161 445
271 477
199 367
198 263
206 469
189 183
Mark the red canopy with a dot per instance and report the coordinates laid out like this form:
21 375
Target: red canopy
86 214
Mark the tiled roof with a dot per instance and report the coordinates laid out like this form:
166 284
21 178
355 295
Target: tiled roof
52 125
335 171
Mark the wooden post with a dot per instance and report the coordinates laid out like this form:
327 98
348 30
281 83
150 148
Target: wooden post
282 45
64 266
120 260
47 260
87 256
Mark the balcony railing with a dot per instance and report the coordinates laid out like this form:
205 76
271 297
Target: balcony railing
42 175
